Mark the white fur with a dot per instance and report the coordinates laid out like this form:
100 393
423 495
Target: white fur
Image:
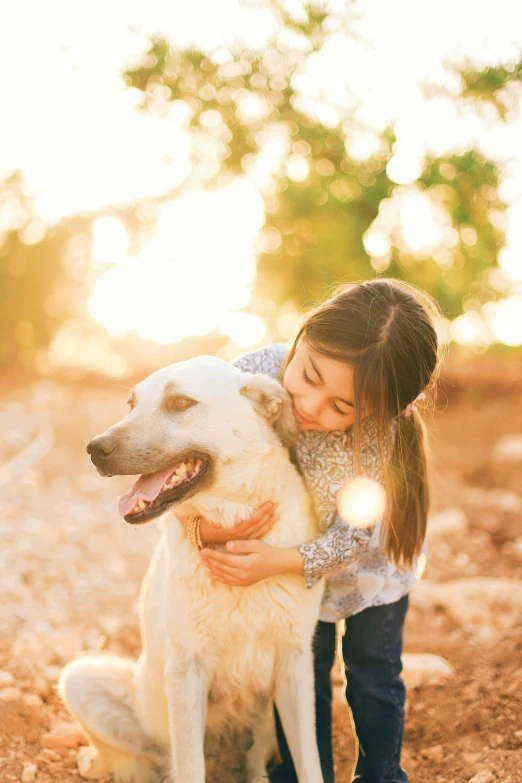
214 657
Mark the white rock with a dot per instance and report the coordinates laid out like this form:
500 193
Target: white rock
52 673
64 735
508 448
483 777
6 678
504 500
42 687
29 772
474 602
89 764
451 521
10 694
32 700
436 753
471 758
513 547
498 498
425 669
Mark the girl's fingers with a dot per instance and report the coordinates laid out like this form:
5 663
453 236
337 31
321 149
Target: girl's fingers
264 520
226 581
221 562
259 514
263 528
225 572
212 557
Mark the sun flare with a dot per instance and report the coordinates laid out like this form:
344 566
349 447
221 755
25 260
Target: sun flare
194 275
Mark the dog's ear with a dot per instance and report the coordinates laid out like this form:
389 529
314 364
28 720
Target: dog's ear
272 402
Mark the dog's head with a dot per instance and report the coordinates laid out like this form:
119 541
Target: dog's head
189 424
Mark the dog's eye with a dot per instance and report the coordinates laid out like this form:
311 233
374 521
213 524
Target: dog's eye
180 403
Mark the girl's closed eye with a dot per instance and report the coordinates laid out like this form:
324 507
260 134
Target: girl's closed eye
336 408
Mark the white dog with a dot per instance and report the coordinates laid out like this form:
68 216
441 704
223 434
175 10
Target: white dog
210 440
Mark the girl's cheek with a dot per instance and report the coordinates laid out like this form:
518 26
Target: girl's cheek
287 383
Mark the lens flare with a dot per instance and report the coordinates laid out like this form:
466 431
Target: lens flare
361 502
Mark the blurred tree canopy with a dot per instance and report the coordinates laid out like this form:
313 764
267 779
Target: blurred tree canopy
321 203
40 274
330 217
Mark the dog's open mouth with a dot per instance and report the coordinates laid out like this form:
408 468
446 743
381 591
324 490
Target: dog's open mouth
153 493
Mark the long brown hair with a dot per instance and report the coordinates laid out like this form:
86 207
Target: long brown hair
385 330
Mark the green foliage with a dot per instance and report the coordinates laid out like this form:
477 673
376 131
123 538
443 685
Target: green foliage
233 105
33 281
467 185
313 236
491 85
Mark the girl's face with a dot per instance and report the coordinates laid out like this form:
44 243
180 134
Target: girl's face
321 390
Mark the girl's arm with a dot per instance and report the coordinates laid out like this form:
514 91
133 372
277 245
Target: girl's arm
257 526
248 562
338 546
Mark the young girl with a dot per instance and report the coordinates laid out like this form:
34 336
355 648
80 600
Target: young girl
360 364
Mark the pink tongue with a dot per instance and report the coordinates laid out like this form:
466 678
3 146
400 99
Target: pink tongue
145 488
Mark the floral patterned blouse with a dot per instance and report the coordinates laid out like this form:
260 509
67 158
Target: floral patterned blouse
358 573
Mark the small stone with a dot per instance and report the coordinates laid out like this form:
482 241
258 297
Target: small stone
6 678
483 777
10 694
508 448
90 765
42 687
513 547
425 669
64 735
472 690
505 500
451 521
436 753
495 740
29 772
32 700
52 673
471 758
46 754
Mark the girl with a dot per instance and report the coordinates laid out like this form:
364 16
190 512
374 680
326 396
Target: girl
355 372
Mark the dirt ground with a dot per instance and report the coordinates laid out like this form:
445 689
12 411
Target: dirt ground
71 570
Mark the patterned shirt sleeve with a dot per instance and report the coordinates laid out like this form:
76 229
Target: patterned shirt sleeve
339 546
267 361
342 544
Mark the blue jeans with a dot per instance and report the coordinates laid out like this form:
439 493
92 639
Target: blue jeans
372 647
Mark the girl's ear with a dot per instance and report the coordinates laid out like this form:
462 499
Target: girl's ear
272 402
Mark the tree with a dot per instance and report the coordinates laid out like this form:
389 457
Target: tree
320 204
39 275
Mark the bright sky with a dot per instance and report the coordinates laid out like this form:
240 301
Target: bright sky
72 127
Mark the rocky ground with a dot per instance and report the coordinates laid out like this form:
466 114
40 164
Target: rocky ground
71 571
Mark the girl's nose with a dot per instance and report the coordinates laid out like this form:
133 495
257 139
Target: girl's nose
311 407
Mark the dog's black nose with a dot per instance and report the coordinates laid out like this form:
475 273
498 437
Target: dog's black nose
101 446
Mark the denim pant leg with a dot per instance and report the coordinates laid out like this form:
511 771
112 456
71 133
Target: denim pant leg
372 647
324 653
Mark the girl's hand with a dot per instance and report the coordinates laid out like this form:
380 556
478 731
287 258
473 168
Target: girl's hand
256 527
251 562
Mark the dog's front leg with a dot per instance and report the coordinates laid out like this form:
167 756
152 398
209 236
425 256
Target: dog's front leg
294 698
187 704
